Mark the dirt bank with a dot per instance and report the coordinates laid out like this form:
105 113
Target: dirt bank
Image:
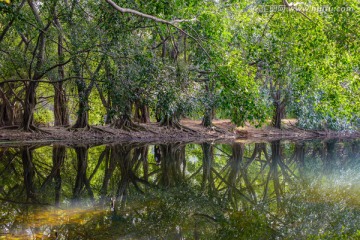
192 131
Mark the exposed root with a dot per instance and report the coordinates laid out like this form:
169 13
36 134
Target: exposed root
90 129
170 124
12 127
217 129
79 129
101 130
177 125
128 125
34 129
187 129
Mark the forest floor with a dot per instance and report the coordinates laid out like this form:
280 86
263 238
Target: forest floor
223 130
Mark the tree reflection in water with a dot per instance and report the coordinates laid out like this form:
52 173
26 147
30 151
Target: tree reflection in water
181 191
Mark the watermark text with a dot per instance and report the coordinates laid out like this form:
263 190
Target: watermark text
302 8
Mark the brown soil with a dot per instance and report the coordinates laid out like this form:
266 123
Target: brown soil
223 130
289 131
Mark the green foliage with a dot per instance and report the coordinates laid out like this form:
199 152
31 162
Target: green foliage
175 96
246 225
97 111
224 55
43 116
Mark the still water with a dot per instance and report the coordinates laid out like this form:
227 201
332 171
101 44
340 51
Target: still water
275 190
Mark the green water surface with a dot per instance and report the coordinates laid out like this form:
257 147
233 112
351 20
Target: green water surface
275 190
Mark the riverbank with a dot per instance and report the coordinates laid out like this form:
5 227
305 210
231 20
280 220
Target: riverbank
191 131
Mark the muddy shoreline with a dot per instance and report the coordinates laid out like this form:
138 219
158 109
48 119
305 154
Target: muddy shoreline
223 131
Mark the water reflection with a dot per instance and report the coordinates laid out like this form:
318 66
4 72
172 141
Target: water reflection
181 191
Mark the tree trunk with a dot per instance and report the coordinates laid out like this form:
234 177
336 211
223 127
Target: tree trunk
81 179
275 162
144 159
208 159
172 158
277 116
106 102
141 112
145 114
58 158
209 105
30 94
279 109
61 113
83 94
6 111
29 106
235 165
82 120
123 154
207 119
6 115
170 121
123 121
330 157
29 173
110 164
299 158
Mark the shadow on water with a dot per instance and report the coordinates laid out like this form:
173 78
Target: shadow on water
181 191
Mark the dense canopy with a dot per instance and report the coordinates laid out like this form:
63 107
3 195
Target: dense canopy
81 63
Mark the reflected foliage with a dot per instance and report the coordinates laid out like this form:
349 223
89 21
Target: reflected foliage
181 191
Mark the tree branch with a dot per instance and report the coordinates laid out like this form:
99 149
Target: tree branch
293 6
44 81
2 35
54 66
159 20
